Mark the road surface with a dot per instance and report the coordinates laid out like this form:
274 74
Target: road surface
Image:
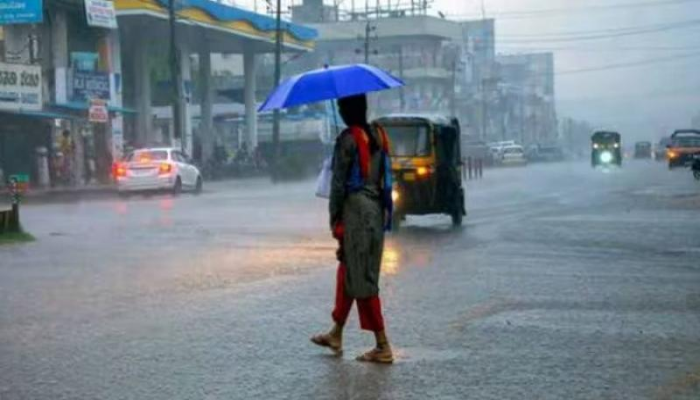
564 283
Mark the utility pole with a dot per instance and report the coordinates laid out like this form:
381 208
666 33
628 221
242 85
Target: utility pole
175 74
278 75
368 30
402 94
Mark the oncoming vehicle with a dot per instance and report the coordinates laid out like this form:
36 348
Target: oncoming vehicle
157 169
642 150
427 166
684 144
513 155
606 149
661 149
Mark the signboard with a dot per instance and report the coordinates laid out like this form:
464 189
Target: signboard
21 12
100 13
20 87
90 85
98 112
84 61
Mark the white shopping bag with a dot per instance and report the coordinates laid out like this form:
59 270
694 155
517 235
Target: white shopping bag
323 182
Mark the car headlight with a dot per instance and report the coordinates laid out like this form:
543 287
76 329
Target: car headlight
606 157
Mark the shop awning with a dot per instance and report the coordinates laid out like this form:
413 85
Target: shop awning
39 114
85 106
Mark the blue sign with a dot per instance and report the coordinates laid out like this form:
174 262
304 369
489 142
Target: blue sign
90 85
21 12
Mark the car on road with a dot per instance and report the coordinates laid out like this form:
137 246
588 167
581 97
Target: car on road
642 150
151 169
684 144
513 155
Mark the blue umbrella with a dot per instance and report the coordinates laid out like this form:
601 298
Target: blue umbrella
329 83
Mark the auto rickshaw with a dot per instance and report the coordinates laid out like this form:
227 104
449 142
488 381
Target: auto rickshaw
427 166
606 149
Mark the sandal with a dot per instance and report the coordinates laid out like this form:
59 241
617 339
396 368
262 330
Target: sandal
324 340
379 356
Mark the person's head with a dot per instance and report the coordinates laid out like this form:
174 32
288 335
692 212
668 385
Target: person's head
353 110
66 133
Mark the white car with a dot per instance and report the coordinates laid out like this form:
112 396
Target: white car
157 169
513 155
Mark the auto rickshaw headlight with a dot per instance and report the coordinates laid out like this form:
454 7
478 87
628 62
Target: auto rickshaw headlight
617 145
606 157
595 145
422 171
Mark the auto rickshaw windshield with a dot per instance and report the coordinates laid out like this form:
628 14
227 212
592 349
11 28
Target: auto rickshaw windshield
409 141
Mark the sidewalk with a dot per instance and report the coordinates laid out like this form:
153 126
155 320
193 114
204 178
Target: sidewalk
62 193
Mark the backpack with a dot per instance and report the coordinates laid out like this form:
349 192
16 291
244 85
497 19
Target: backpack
360 168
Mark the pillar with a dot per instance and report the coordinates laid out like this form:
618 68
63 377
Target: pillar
206 125
251 106
116 84
186 100
142 91
59 46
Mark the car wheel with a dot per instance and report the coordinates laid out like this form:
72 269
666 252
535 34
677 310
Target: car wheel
199 185
177 188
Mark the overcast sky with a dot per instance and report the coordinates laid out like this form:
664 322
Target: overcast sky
642 101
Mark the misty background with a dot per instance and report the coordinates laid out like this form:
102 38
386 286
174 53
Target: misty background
628 65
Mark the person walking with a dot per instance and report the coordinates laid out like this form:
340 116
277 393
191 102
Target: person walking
360 211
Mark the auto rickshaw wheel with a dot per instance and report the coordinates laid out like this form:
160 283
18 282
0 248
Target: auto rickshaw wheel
396 222
457 218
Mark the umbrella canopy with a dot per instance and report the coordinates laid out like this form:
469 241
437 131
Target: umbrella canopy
328 84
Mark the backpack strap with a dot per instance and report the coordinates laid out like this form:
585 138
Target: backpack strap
363 151
386 144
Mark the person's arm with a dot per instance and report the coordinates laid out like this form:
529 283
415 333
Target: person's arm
343 157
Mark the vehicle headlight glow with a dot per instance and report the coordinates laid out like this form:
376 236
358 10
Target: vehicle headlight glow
617 145
595 145
606 157
395 195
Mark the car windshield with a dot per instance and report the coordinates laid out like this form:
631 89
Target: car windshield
687 141
513 150
147 156
409 141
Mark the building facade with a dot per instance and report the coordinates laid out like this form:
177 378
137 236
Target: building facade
526 98
83 77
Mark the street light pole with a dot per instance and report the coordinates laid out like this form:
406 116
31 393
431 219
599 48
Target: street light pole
368 31
278 75
175 74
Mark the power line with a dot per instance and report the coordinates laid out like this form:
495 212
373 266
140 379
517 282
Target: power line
524 14
606 31
641 31
514 48
629 64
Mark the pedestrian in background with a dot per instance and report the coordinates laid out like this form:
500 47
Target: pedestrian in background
358 214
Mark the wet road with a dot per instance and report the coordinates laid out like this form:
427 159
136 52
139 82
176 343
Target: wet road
564 283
